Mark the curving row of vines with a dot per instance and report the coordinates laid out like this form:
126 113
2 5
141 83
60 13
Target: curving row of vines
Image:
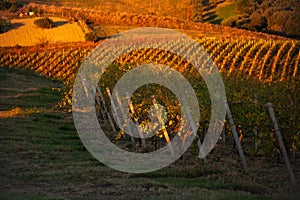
268 61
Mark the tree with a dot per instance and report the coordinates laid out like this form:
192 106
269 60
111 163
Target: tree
258 21
91 36
284 17
4 24
197 11
213 3
41 12
44 22
4 5
273 16
11 6
229 22
292 25
35 10
241 5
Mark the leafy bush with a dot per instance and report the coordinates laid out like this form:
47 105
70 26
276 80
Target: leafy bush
274 16
229 22
44 22
11 6
35 10
43 41
4 5
197 11
4 24
258 21
91 36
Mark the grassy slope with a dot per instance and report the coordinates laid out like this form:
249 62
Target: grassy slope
226 12
223 11
25 33
41 156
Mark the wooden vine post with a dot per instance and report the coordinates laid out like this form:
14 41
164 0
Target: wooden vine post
194 128
101 102
236 137
114 111
131 108
163 129
123 115
255 127
224 135
281 143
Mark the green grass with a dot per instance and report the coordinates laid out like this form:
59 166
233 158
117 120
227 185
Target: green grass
26 89
42 157
224 13
211 184
21 196
228 11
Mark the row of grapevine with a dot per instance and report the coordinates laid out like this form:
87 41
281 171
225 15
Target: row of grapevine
289 56
250 54
240 55
57 64
266 60
265 66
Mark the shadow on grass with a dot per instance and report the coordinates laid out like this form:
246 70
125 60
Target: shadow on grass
211 17
59 23
15 26
217 21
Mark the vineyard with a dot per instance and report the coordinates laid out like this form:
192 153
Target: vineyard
266 60
242 62
47 150
42 157
255 72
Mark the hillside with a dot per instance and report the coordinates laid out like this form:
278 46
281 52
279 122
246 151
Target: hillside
262 59
116 14
43 154
109 18
23 32
279 17
43 161
42 157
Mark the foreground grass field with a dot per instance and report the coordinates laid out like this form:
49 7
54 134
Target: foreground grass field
25 33
41 156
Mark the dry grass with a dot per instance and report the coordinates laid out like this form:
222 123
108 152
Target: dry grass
10 113
25 33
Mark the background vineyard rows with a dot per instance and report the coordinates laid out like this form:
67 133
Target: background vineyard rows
266 60
242 62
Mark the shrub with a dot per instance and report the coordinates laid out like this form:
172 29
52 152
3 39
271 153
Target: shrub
4 25
33 9
258 21
11 6
4 5
43 41
229 22
91 36
197 11
44 22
